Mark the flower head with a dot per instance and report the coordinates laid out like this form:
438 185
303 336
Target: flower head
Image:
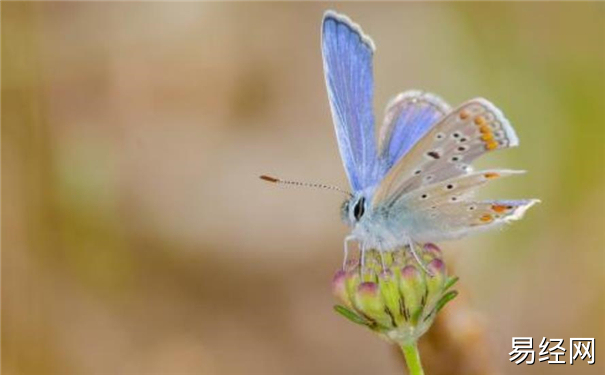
392 294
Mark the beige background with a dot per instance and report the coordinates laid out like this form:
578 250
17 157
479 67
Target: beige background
137 239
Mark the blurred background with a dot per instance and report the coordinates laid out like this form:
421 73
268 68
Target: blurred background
137 238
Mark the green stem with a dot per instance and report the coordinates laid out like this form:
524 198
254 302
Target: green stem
412 358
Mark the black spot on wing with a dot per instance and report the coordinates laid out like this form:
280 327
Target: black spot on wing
433 154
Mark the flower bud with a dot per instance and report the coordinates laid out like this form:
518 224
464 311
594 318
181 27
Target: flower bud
339 287
368 300
437 276
432 250
389 289
392 294
412 286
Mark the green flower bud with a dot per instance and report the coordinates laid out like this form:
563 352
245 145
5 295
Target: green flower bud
412 286
369 301
389 289
392 294
339 288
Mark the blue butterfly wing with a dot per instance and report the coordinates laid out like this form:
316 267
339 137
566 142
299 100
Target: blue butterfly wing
347 57
408 117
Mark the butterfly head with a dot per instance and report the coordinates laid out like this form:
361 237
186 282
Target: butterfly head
353 209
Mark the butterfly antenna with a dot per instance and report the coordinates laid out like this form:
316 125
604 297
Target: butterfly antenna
276 180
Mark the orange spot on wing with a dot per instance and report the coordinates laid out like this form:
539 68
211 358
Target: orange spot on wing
499 208
486 218
484 129
487 137
464 115
491 145
480 120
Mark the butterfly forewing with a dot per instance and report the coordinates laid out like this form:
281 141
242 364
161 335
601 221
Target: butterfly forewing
347 56
447 150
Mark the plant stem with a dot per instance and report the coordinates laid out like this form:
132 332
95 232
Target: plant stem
412 358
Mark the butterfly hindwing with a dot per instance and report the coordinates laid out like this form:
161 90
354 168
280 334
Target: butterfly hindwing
445 210
347 57
447 149
408 117
453 221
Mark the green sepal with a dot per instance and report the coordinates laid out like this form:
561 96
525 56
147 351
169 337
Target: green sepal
445 299
350 315
440 304
450 282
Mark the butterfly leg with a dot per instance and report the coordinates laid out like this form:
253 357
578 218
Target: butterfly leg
346 257
381 251
418 260
363 258
382 260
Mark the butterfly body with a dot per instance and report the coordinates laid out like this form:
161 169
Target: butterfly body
377 230
372 225
415 182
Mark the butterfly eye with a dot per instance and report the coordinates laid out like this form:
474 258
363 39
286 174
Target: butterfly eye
359 208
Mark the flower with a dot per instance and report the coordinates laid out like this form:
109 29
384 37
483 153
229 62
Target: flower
392 294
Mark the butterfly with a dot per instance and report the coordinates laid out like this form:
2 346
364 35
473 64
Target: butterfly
414 182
